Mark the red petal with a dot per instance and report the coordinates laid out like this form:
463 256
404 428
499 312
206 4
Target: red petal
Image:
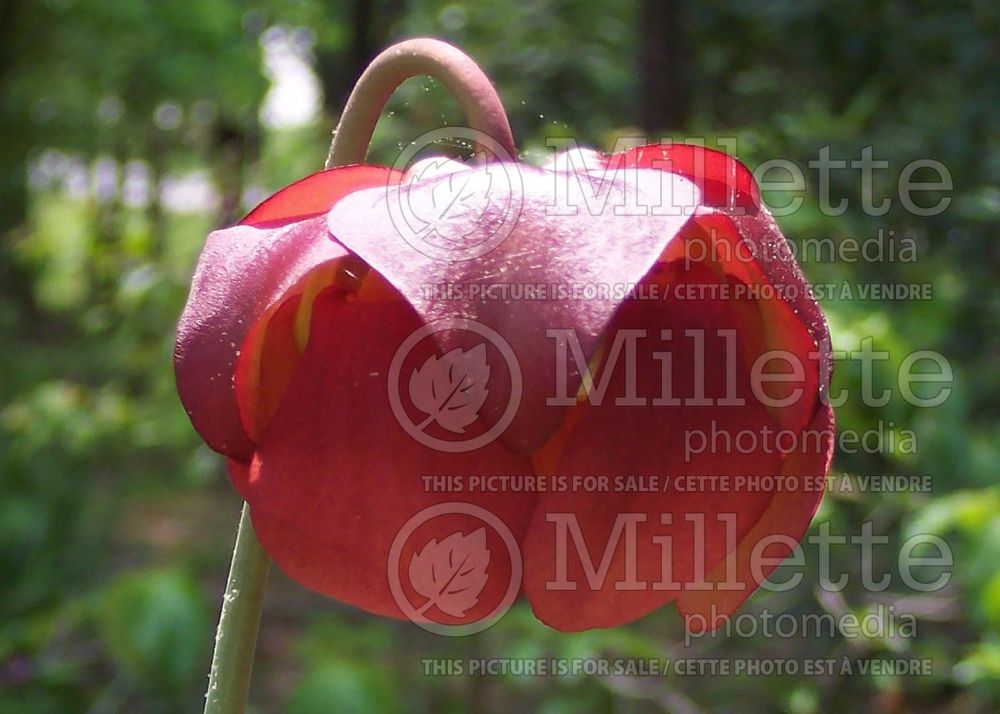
313 195
777 262
723 180
242 274
731 200
652 441
239 474
526 244
336 477
773 322
730 194
788 515
270 356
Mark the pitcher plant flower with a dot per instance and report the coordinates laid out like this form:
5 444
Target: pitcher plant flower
441 386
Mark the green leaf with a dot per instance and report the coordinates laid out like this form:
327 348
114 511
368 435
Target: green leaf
344 688
155 624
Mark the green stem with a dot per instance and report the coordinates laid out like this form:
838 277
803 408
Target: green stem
236 638
452 67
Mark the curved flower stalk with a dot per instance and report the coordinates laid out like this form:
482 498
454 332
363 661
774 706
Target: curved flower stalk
368 330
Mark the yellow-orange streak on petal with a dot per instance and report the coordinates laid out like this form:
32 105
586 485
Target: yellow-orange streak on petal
269 367
273 347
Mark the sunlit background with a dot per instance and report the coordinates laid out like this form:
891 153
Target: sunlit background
130 128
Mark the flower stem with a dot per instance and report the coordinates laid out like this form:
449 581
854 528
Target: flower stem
236 638
452 67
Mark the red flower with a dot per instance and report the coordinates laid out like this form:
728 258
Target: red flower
366 346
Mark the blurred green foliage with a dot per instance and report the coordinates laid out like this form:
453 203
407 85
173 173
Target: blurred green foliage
116 522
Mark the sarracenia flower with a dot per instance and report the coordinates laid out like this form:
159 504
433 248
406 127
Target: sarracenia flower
595 384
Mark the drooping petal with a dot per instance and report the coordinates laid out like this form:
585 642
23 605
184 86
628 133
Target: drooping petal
741 237
239 474
730 196
777 263
775 331
519 250
242 274
776 312
268 360
313 195
336 477
722 179
710 461
785 521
